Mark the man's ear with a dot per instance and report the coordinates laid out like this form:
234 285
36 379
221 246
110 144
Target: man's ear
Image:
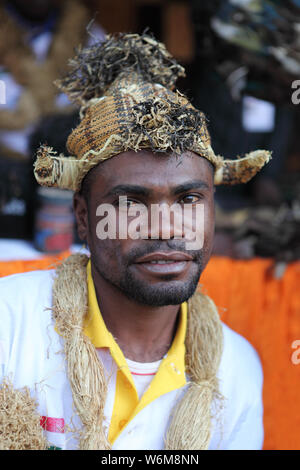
81 213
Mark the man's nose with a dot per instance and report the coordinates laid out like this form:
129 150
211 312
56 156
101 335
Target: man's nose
165 222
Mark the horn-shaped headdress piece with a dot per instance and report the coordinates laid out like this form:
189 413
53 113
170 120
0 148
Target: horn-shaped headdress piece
125 87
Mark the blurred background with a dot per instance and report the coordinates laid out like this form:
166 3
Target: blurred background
242 60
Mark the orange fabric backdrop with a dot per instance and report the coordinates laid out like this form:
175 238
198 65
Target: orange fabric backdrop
21 266
264 310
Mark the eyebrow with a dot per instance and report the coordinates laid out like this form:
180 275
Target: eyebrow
194 184
123 189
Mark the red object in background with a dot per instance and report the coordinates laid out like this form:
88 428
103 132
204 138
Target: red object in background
54 221
55 242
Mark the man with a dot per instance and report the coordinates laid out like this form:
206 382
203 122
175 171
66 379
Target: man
146 363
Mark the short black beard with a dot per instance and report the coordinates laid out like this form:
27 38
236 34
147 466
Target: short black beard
167 292
171 293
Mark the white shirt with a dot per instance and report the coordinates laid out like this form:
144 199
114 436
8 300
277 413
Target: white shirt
31 354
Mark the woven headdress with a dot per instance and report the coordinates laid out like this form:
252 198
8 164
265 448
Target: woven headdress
124 86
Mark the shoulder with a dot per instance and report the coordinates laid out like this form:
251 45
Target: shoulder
20 286
25 318
240 383
22 296
20 283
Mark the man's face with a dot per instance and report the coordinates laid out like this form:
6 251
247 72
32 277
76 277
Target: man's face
152 272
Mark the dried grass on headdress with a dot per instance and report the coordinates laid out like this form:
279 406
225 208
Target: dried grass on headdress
124 86
166 125
243 169
49 167
20 427
93 69
163 123
190 428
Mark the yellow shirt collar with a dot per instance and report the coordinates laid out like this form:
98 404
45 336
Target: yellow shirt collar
95 328
170 375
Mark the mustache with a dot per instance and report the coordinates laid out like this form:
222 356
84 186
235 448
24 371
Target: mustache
166 246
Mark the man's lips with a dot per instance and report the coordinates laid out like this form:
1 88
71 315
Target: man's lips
164 263
172 257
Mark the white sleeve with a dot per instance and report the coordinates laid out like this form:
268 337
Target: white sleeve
23 299
3 357
6 329
240 426
248 433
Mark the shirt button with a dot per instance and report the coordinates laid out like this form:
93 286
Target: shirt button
122 423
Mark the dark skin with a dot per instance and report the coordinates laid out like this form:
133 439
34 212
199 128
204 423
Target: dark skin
140 301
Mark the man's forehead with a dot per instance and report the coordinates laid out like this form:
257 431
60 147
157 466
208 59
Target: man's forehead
149 169
152 190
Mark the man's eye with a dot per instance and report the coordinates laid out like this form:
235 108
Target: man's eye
128 203
190 199
131 203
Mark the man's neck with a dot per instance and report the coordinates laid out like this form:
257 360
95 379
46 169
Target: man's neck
143 333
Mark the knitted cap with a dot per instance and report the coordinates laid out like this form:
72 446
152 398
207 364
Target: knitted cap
125 87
